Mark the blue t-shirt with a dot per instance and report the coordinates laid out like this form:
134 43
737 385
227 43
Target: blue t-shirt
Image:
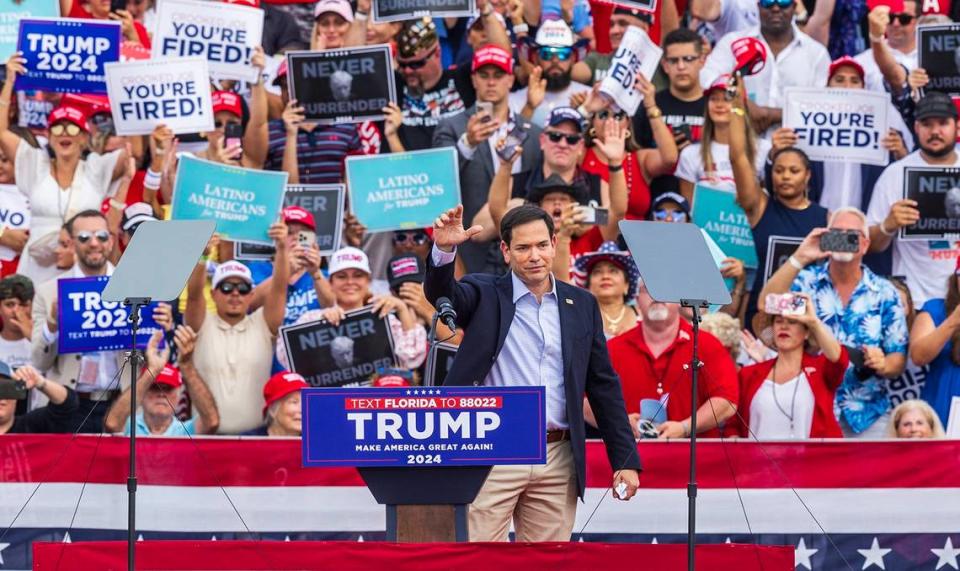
943 381
551 10
301 295
176 428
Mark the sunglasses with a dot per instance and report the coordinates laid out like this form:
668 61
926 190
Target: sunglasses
71 129
548 53
243 288
102 236
783 4
416 63
674 215
556 137
418 238
224 124
606 114
674 60
903 18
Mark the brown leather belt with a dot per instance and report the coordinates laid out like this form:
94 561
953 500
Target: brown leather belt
557 436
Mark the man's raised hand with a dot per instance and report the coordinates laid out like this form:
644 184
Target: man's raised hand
448 231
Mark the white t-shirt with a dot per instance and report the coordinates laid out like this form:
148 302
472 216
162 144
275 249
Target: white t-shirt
15 353
773 406
926 263
873 78
690 166
551 100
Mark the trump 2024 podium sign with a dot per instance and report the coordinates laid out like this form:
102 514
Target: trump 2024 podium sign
419 426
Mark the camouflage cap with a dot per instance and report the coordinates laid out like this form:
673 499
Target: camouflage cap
416 35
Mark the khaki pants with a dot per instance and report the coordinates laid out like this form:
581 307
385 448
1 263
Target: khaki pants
541 500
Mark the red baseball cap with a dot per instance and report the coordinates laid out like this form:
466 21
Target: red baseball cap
251 3
281 71
300 216
169 376
279 386
492 55
227 101
720 83
70 114
90 104
846 60
751 55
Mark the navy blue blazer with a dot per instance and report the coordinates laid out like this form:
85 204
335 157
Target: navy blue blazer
485 310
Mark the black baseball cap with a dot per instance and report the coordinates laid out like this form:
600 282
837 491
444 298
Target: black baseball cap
936 104
403 269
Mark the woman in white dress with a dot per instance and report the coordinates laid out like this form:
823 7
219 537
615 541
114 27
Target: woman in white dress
59 181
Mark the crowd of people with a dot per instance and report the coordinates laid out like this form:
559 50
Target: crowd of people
873 321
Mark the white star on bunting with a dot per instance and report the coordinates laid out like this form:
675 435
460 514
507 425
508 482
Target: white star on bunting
874 555
802 555
946 556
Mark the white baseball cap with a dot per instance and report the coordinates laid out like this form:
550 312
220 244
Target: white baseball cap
347 258
555 34
231 269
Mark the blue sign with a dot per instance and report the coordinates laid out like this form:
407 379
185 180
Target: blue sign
67 55
12 11
243 202
717 212
417 426
89 324
398 191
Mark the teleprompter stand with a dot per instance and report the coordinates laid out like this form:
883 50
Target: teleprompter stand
155 266
676 267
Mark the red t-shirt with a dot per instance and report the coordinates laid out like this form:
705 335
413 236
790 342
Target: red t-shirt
638 192
78 11
640 373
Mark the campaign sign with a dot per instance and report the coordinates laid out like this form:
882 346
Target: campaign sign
717 212
342 86
779 250
398 10
12 11
637 54
403 190
324 201
243 202
14 215
89 324
172 92
223 34
439 361
938 52
412 426
937 192
33 108
831 125
67 55
347 354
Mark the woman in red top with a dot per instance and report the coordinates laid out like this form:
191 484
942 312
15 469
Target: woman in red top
791 396
640 165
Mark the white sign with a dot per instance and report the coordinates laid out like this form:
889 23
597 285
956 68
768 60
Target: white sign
14 215
223 34
637 54
172 92
953 419
838 124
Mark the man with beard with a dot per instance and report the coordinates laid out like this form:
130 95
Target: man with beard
653 362
429 92
862 310
91 375
550 84
928 262
794 59
234 350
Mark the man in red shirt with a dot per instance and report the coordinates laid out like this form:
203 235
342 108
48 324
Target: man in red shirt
133 31
653 361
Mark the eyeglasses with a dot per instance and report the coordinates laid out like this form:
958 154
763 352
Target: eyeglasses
606 114
674 60
556 137
902 17
416 63
548 53
71 129
418 238
102 236
662 215
783 4
243 288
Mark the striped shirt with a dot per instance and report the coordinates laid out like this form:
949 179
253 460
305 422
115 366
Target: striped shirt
320 153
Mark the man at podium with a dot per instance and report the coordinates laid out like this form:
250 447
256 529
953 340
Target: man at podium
525 328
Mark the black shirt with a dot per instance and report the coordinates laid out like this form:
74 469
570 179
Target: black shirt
280 32
451 95
676 113
49 419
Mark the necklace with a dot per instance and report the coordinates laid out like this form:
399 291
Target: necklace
614 323
793 399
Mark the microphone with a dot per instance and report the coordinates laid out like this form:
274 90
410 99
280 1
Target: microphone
447 314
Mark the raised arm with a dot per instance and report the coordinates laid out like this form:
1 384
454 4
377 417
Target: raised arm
928 340
749 194
663 159
808 252
120 411
256 138
818 25
275 306
612 147
9 142
292 118
196 309
498 199
705 10
893 72
208 418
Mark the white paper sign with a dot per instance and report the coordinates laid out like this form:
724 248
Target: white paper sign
637 54
172 92
838 124
14 215
223 34
953 419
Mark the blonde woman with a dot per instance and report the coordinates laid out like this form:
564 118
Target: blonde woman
915 419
